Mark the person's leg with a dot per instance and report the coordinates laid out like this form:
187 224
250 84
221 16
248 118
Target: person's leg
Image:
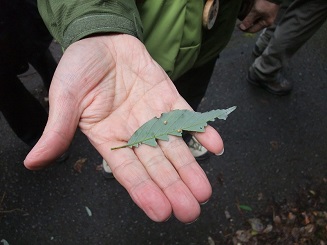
38 42
263 40
20 39
192 86
45 65
22 110
265 36
300 21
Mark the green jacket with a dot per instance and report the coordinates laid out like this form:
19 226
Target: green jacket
170 29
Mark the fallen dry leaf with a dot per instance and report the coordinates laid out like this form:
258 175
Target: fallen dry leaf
99 167
274 144
79 164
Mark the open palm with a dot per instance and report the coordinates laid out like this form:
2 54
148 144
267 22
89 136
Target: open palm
109 86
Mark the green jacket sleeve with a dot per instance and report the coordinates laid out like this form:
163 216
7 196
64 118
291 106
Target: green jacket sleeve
71 20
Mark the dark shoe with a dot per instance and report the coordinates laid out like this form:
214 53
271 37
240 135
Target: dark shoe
281 86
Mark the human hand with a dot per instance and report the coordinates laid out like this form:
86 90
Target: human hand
109 86
262 15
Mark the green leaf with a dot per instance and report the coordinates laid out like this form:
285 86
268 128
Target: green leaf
245 207
174 123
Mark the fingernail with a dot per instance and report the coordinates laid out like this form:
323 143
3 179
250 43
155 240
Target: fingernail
191 222
222 152
203 203
168 218
242 27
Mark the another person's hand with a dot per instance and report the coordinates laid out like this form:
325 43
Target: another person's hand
109 86
261 16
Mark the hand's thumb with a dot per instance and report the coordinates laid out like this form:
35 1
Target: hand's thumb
56 138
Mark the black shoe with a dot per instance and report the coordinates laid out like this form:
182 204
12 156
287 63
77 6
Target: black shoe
281 86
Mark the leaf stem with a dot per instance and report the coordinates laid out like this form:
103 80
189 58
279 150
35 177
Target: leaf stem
120 147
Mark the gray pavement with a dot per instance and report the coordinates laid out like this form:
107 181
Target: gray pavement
273 145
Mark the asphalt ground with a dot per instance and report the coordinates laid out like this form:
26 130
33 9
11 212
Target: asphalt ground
273 146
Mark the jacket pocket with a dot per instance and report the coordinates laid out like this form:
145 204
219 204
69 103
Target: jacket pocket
172 33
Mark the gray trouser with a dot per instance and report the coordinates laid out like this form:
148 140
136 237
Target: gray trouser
297 25
267 33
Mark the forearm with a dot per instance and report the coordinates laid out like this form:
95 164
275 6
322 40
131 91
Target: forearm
71 20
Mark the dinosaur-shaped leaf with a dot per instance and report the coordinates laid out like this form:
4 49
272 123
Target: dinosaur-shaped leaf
174 123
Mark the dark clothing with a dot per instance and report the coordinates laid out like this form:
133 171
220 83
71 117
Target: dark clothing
22 110
24 39
23 35
192 90
188 84
297 25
